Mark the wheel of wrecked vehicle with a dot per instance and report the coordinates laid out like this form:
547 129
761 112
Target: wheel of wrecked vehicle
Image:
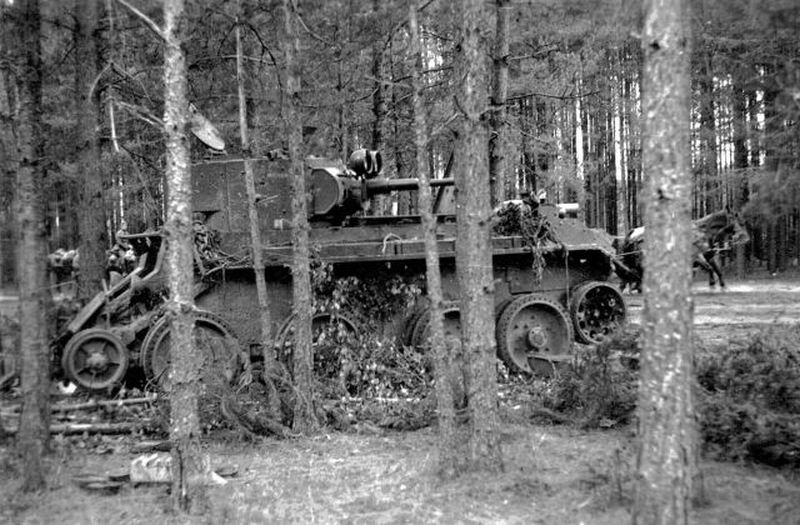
95 359
597 310
332 334
533 330
410 324
451 324
218 346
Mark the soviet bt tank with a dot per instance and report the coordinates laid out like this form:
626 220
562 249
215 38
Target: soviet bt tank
551 288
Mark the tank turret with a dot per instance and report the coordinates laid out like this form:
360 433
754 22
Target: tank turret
336 193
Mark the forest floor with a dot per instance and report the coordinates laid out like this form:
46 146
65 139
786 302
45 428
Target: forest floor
554 473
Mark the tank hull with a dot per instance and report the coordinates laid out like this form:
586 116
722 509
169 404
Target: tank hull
534 296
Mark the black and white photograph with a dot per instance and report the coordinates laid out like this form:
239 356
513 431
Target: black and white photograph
400 261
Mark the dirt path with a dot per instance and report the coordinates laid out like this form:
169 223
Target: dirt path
740 309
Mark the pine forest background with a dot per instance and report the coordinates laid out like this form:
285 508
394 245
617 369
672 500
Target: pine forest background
572 125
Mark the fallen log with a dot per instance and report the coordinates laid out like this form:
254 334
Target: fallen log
113 403
71 429
110 403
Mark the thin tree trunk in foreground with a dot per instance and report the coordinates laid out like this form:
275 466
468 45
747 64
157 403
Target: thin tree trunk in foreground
667 448
473 246
92 221
8 152
305 416
34 423
497 143
186 358
449 450
265 317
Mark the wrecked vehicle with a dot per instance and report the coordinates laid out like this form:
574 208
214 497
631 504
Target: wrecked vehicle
551 274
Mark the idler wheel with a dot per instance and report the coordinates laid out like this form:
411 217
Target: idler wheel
330 334
218 345
598 311
533 329
95 359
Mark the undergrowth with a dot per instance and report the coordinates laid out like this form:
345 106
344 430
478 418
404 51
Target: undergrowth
599 387
747 393
749 398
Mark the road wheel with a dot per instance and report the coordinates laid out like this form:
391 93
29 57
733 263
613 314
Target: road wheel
95 359
219 347
533 331
598 311
331 335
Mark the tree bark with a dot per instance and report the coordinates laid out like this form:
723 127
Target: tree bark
264 313
8 159
529 159
740 157
33 436
186 357
473 245
449 447
379 95
497 142
620 162
91 220
707 188
305 418
667 440
399 136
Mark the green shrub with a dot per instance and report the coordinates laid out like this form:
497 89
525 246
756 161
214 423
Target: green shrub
599 387
749 397
747 393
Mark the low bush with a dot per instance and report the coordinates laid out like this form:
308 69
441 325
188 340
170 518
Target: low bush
599 387
749 398
747 393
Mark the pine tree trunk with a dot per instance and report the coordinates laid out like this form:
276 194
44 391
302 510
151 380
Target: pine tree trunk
8 158
620 165
379 105
91 220
707 188
497 142
186 356
264 313
667 448
34 433
380 108
740 158
772 164
473 245
304 416
528 157
399 145
449 449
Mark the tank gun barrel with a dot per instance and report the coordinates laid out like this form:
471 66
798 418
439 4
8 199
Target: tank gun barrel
381 186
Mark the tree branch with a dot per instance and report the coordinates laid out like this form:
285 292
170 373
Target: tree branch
547 95
306 28
146 19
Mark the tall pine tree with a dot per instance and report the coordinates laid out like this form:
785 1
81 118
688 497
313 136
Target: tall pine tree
666 459
34 430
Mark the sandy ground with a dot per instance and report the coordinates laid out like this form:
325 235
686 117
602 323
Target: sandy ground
739 309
